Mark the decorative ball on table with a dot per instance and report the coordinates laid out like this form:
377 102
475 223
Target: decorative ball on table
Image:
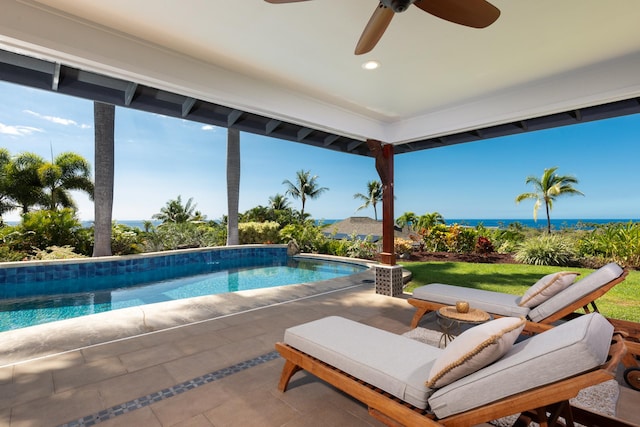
462 306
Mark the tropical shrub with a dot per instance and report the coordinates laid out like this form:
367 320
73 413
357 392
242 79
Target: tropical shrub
174 235
307 235
282 216
434 238
615 242
506 240
548 249
258 232
484 245
337 247
362 248
55 252
402 246
9 255
45 228
125 240
460 239
213 234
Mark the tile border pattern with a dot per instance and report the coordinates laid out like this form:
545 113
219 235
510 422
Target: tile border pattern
141 402
70 275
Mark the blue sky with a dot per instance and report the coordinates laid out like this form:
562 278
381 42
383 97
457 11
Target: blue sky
159 158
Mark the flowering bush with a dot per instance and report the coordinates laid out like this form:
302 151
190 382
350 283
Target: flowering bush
402 246
484 245
363 249
460 239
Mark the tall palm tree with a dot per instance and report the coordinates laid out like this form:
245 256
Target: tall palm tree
23 183
305 186
104 124
175 211
372 197
547 189
68 171
233 185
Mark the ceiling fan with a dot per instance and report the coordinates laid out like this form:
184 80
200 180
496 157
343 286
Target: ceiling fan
470 13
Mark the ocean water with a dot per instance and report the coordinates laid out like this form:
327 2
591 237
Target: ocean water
556 224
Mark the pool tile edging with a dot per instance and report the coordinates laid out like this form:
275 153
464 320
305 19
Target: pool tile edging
14 275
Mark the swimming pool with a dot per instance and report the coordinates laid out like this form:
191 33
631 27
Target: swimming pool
26 303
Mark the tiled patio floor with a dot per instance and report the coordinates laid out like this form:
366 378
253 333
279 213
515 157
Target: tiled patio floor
196 375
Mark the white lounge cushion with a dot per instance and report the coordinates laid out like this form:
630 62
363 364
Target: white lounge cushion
394 363
566 350
573 293
491 302
474 349
547 287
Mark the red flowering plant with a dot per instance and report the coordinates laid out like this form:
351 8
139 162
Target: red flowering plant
484 245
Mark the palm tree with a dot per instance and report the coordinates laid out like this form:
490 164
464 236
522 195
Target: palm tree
6 202
372 198
233 185
175 212
104 124
278 202
305 186
407 219
547 189
22 181
429 220
68 171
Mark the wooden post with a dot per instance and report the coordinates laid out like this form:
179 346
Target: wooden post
384 165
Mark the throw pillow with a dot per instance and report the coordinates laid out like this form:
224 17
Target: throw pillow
474 349
547 287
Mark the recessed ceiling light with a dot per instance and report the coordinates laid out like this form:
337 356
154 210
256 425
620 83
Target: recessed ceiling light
371 65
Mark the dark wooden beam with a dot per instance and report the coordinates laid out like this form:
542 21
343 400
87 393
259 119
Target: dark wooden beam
233 117
330 139
271 126
55 79
303 133
576 114
129 93
353 145
384 165
187 105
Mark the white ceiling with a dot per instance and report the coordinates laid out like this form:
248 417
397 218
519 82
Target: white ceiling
295 61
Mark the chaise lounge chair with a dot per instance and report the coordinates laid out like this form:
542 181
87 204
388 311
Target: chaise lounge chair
389 373
547 307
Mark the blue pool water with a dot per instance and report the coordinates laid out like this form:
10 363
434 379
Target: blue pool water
83 296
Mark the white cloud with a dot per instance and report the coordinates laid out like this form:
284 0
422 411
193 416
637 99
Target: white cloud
18 130
57 120
208 127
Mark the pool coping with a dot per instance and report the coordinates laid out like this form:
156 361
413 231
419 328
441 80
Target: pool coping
39 341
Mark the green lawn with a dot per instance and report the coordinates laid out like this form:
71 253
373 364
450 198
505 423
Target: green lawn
621 302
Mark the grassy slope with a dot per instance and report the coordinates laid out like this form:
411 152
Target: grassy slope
621 302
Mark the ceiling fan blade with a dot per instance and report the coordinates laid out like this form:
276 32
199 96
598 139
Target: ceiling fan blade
471 13
374 30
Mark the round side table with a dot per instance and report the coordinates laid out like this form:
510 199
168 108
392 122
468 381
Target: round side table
451 321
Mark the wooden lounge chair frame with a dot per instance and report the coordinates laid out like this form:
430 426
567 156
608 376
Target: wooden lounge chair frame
631 375
543 404
587 303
